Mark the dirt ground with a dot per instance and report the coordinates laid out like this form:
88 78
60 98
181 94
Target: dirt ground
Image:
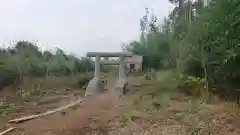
141 112
71 119
53 123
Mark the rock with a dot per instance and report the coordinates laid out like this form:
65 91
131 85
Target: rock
67 89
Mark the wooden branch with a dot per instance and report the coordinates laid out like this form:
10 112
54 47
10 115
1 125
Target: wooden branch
26 118
8 130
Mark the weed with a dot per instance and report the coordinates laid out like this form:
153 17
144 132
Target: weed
6 108
33 94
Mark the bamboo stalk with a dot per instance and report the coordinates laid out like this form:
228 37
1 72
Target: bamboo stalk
8 130
26 118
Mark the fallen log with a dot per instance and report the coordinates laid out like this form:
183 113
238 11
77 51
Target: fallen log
8 130
26 118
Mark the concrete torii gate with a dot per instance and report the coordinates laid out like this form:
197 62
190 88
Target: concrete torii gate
95 87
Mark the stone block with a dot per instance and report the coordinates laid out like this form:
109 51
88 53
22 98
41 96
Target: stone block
122 86
95 87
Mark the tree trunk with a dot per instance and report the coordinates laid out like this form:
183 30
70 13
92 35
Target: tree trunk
205 74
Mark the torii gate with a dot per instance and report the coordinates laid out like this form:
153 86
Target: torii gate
95 87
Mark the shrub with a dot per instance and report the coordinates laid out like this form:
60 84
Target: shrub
8 77
32 94
37 70
84 78
194 86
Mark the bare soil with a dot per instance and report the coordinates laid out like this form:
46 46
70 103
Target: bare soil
52 100
138 113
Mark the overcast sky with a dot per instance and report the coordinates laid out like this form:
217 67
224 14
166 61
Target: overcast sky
76 26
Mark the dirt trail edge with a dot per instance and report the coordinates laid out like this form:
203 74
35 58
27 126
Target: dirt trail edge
74 116
26 118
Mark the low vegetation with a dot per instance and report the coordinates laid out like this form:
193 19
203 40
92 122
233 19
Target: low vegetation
157 106
160 107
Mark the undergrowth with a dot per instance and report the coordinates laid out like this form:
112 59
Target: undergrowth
157 107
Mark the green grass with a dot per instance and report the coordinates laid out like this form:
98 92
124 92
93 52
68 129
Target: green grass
6 108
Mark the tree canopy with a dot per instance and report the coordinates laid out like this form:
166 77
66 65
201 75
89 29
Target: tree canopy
197 40
25 59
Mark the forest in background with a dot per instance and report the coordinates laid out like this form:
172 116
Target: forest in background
25 59
200 40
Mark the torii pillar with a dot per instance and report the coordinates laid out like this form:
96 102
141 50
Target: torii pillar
95 87
122 83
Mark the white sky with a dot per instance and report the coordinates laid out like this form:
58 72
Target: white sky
76 26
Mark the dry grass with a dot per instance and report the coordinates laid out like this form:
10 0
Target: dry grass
150 108
160 109
156 109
